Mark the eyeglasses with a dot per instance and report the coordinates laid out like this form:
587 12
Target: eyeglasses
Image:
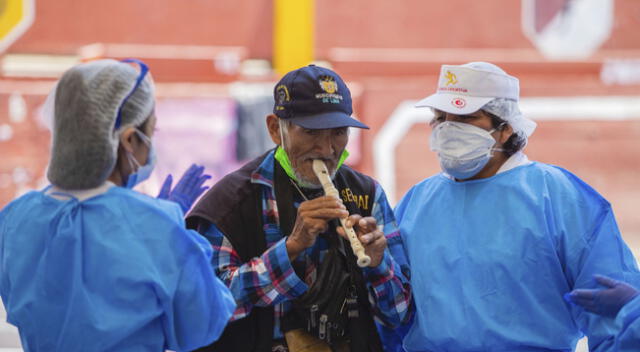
143 72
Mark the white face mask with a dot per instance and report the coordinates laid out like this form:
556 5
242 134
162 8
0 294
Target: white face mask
463 149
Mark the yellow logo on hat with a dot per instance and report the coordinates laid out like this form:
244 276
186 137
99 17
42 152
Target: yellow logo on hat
328 84
282 95
451 78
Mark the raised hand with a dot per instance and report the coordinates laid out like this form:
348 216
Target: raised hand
188 188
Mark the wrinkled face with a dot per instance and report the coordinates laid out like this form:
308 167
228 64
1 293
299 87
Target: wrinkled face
304 145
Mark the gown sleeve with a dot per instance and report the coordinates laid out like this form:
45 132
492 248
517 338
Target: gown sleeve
589 242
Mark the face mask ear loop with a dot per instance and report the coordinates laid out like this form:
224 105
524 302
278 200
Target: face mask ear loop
133 162
281 126
133 165
493 150
499 128
281 138
145 139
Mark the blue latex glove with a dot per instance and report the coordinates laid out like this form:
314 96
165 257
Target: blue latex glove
188 188
606 302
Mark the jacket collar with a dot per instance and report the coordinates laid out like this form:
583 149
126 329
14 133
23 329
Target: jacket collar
263 174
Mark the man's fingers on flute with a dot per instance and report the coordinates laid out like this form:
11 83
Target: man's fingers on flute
324 202
375 249
328 214
353 219
325 198
362 225
371 237
342 233
368 224
366 238
379 243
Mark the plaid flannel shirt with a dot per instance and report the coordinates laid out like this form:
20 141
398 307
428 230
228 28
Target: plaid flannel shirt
270 280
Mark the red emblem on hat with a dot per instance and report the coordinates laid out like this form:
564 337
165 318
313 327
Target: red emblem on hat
459 103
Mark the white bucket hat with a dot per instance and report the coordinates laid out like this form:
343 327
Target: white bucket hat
467 88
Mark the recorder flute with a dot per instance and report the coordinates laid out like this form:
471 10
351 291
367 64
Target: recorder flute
320 169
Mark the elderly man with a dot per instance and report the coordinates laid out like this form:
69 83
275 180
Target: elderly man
502 238
275 238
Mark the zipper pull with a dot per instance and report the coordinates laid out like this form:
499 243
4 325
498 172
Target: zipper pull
314 309
322 333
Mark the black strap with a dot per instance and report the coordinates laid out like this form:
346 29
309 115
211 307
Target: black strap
287 212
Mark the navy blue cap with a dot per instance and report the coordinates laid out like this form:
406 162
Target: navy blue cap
314 97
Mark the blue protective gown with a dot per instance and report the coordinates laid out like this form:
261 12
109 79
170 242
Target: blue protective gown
491 259
628 320
115 272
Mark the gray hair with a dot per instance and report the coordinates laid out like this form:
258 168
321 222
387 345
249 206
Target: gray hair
284 130
86 102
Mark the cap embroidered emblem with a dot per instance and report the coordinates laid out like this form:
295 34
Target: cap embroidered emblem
451 78
328 84
282 96
459 103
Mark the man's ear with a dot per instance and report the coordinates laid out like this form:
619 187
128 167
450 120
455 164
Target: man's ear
274 128
127 139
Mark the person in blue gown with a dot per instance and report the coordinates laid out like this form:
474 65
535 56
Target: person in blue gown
495 240
88 264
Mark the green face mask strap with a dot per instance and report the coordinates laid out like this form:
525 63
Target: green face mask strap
343 157
282 157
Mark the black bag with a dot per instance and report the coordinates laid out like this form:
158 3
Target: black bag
325 309
331 303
